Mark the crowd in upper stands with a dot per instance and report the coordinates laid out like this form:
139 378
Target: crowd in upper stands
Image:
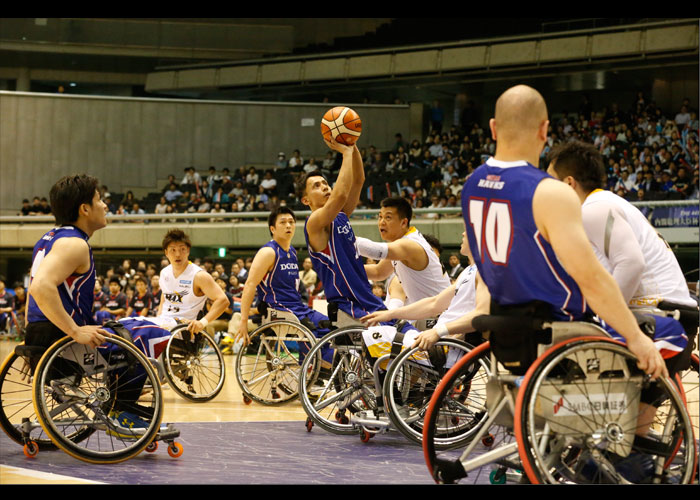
650 155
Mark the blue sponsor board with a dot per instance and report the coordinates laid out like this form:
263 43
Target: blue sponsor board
676 216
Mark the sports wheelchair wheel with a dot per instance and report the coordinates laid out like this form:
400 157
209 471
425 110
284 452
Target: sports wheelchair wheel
98 391
17 416
576 418
194 365
268 368
461 397
333 390
411 381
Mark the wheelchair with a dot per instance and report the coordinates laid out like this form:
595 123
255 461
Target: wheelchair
192 365
267 370
569 416
77 397
357 393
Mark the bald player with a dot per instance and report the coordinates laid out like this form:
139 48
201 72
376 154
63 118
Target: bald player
527 239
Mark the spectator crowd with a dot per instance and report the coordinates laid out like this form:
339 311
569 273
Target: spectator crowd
650 155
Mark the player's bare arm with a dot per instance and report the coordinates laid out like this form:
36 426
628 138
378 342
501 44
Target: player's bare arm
428 338
262 264
563 229
68 256
204 284
358 180
424 308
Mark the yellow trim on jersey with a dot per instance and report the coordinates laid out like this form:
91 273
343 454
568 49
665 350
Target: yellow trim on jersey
594 191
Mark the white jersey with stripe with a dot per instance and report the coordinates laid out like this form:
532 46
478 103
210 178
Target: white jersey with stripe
427 282
610 221
464 299
178 298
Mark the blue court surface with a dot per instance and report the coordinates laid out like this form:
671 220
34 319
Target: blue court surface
255 453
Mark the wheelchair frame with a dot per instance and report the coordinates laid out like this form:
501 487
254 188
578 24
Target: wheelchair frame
542 452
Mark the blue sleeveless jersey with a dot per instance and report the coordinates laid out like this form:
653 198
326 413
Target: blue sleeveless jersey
513 258
77 292
341 270
279 288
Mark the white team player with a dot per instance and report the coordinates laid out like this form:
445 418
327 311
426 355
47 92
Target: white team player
185 290
624 241
407 253
450 304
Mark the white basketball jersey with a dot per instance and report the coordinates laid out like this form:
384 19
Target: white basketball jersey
428 282
464 300
662 278
178 298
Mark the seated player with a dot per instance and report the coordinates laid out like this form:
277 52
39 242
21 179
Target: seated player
274 275
451 303
406 253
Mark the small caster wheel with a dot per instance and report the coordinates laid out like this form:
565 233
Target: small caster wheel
275 395
454 420
342 418
488 440
152 447
497 476
175 450
309 424
365 436
31 449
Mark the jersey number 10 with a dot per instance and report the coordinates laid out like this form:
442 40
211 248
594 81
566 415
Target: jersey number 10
492 222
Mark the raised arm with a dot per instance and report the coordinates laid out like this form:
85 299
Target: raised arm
358 181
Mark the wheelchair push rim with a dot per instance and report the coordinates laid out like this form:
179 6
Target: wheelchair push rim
195 370
268 369
78 387
598 446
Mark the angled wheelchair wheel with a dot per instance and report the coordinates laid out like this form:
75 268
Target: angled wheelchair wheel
268 369
411 381
17 416
98 391
457 415
194 365
578 416
334 388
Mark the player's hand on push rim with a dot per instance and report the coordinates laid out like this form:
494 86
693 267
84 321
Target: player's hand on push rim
90 335
649 359
426 339
195 326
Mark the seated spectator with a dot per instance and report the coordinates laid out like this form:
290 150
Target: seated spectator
269 183
296 162
191 177
171 180
172 194
161 206
281 162
44 208
214 177
252 178
682 183
26 208
625 183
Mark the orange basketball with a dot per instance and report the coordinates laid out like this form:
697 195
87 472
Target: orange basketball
342 124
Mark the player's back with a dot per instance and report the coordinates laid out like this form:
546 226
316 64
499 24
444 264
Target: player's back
340 268
77 291
515 261
662 278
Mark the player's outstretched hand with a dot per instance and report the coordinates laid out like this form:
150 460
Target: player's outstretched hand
377 317
195 326
425 340
336 146
649 359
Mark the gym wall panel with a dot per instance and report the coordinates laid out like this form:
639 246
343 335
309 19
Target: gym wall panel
463 57
324 69
679 37
416 62
562 49
614 44
513 53
136 143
